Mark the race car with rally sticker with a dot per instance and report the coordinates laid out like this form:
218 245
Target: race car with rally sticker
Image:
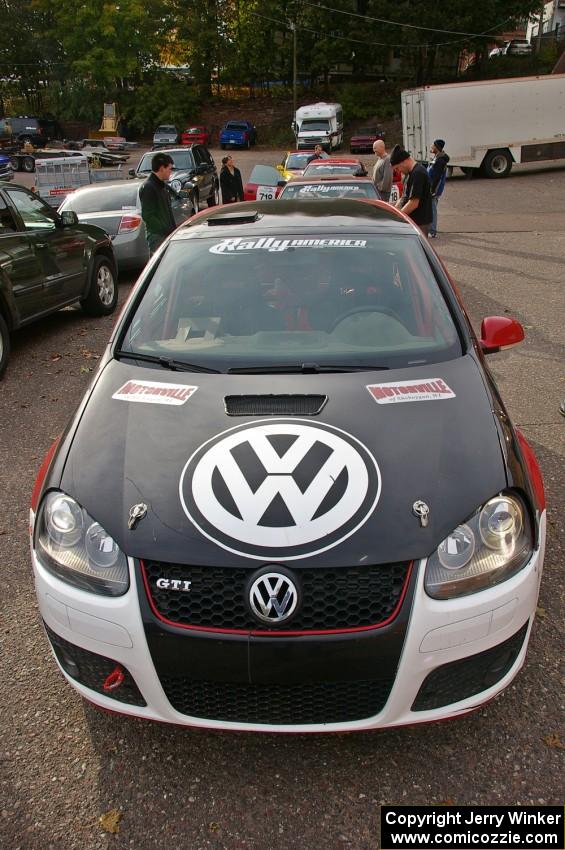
292 498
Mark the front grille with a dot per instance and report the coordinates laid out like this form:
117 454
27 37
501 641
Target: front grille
92 670
274 405
310 702
469 676
333 598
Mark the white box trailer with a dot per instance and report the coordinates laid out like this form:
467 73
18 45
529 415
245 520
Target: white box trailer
488 124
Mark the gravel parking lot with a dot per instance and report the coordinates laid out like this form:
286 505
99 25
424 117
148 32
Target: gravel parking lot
73 777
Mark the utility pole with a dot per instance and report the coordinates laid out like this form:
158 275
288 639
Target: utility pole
293 25
540 26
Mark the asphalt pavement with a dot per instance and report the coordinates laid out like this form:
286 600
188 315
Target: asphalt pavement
66 766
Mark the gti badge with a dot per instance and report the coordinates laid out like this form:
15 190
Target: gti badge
173 584
136 512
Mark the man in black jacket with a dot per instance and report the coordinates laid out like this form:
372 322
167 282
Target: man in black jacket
155 196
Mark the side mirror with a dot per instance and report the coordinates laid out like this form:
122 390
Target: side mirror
131 172
281 183
69 218
498 332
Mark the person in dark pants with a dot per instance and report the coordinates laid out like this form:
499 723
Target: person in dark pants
155 197
230 181
416 200
437 172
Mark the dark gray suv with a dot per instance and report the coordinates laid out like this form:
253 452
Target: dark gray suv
194 171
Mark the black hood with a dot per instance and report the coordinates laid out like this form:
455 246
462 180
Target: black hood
444 451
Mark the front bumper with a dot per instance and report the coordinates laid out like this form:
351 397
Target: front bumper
481 638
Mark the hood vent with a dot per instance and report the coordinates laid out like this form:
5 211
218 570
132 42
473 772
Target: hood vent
274 405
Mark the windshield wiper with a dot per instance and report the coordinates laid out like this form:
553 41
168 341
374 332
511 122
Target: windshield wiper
302 368
166 362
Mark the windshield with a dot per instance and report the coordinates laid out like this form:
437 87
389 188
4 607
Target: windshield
315 124
182 161
195 131
304 191
166 128
233 125
104 199
265 174
323 168
297 160
265 301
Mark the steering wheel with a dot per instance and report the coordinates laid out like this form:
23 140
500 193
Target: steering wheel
373 308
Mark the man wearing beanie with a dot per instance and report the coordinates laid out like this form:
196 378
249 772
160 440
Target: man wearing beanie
437 172
416 200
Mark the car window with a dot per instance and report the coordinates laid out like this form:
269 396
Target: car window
265 174
298 160
305 191
7 223
36 215
325 168
315 124
234 125
166 128
260 300
195 131
183 161
198 155
104 199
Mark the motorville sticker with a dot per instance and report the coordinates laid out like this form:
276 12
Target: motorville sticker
428 389
153 392
228 246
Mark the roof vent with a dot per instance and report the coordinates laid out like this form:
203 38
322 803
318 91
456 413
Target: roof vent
274 405
239 217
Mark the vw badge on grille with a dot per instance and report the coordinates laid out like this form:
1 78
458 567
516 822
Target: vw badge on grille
273 597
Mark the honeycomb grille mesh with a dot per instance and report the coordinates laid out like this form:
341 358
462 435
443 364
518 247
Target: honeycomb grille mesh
311 702
340 598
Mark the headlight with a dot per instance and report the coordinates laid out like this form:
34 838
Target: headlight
77 549
176 185
494 544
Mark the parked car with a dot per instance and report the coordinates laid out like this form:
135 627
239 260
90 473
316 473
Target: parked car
116 208
196 136
194 171
164 135
6 170
312 188
21 130
362 140
49 261
294 163
334 167
98 153
264 184
519 47
240 133
292 499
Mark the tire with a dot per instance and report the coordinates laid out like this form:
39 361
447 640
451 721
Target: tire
497 164
15 163
103 292
214 198
28 164
4 344
469 172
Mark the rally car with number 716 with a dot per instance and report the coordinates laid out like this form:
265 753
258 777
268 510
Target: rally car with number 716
292 498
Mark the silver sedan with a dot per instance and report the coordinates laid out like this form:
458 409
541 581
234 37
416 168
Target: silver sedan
116 208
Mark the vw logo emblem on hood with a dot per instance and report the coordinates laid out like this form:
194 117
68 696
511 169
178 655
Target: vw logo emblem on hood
273 597
280 489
